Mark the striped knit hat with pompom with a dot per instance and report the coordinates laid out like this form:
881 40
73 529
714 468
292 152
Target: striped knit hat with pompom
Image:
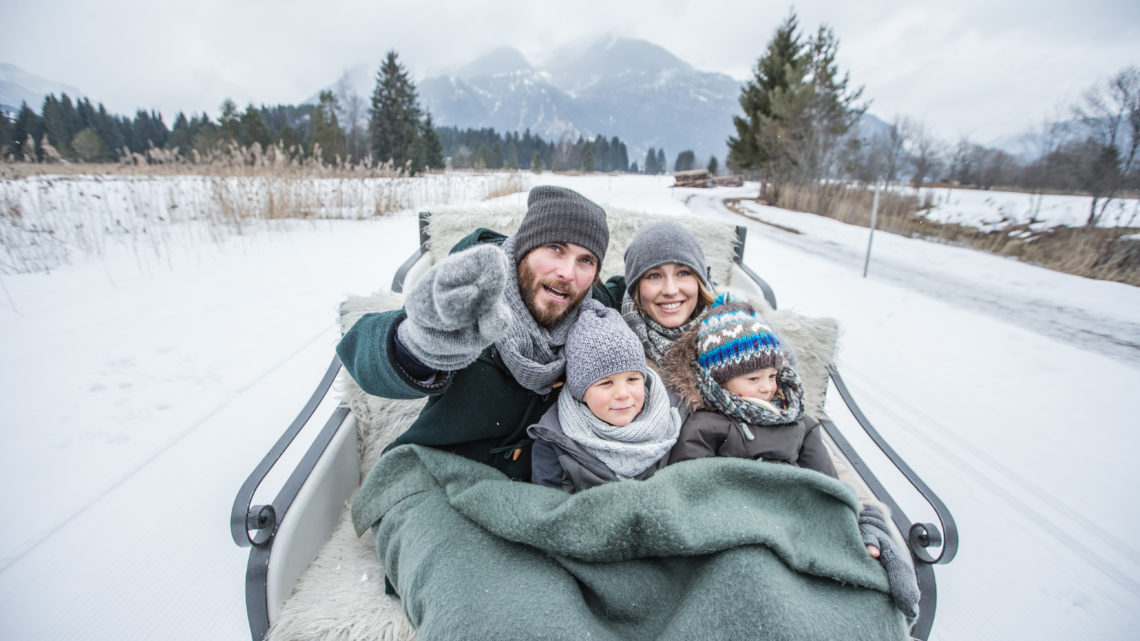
733 340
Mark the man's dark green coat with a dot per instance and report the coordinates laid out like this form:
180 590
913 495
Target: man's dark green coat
479 412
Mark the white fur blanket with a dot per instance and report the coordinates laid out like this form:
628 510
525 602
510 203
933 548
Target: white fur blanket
341 594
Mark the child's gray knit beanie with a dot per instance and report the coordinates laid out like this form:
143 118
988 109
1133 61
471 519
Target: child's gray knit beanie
600 344
561 215
660 243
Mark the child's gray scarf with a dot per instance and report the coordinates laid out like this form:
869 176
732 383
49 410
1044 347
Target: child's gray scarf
532 353
627 450
786 407
656 338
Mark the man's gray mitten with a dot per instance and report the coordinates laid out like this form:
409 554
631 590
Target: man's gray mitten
458 309
874 529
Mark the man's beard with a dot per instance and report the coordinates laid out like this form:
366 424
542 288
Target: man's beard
530 286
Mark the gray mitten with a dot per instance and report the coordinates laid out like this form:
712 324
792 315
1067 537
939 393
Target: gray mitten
874 529
458 309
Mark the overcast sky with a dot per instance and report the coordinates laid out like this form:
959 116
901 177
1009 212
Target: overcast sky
976 68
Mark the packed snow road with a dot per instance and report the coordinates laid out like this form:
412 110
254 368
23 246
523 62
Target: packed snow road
1111 332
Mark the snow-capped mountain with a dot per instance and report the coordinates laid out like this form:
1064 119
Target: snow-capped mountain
18 86
622 87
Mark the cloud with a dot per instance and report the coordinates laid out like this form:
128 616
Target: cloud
979 67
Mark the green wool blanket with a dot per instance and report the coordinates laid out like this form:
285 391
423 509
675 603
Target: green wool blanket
715 548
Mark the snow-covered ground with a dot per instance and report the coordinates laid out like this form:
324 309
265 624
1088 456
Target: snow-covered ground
136 394
988 209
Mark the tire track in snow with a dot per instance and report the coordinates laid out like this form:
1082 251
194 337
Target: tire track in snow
1115 338
1055 519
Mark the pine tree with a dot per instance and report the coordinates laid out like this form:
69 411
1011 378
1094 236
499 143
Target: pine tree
713 166
797 110
588 158
536 164
428 148
783 59
395 115
110 132
5 135
659 163
27 127
326 129
686 161
651 161
180 136
253 128
229 122
621 155
58 117
511 157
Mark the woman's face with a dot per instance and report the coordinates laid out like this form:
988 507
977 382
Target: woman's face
669 294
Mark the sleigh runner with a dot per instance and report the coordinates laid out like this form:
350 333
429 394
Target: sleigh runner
310 576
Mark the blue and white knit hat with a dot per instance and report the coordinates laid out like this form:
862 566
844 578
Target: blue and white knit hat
733 340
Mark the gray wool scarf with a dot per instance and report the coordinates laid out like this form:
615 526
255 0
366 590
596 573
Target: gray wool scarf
532 353
630 449
656 338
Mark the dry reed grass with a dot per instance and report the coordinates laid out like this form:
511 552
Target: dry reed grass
48 212
1093 252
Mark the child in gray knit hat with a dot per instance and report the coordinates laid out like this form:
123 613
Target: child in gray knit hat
613 419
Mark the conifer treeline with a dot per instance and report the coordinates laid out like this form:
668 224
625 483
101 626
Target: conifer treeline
487 149
397 130
80 131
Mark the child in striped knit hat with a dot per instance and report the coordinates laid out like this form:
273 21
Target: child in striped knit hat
743 393
746 401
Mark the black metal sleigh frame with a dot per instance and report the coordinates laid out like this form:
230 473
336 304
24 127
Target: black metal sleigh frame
285 534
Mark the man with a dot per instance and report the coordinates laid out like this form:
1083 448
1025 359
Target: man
482 333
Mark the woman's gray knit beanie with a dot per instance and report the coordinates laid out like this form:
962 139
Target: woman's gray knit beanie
600 344
660 243
561 215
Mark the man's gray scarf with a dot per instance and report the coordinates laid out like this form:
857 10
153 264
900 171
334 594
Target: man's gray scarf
627 450
656 338
531 352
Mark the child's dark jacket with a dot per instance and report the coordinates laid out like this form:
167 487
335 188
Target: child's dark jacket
707 432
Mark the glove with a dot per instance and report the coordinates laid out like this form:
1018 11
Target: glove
875 530
458 309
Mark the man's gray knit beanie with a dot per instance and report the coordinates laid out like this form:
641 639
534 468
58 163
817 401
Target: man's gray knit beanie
560 215
600 344
660 243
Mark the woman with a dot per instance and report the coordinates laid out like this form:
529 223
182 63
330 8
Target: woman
667 286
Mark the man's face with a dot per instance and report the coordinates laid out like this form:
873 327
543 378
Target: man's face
554 278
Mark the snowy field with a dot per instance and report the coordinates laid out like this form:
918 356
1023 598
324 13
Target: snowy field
988 209
139 388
